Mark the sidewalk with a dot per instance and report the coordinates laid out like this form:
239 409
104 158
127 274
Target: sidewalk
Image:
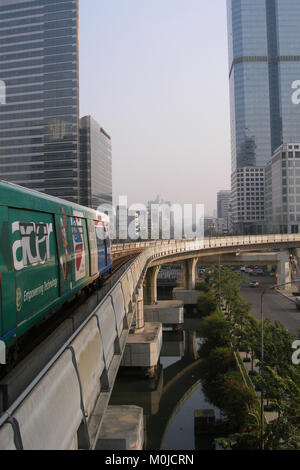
269 415
287 294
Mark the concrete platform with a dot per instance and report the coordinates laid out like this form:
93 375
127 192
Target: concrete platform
143 347
167 312
122 429
188 297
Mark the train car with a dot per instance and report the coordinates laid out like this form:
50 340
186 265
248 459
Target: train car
50 249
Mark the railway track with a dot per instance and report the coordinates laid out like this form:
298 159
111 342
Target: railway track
45 339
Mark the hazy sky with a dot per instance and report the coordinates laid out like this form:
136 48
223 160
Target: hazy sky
154 74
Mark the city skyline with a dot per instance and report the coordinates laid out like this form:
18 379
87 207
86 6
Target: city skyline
163 97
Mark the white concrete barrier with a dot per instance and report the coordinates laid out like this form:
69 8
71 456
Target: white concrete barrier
135 272
108 329
127 295
88 351
50 416
7 438
130 282
141 263
118 306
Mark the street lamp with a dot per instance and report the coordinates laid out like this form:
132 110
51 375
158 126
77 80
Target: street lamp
262 354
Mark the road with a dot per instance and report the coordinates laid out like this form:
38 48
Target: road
276 306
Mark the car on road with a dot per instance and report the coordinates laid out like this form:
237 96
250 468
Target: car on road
254 284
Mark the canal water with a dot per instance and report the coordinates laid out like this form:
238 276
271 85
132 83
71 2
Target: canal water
169 400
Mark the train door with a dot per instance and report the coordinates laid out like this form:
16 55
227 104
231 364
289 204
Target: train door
92 248
81 267
65 250
108 248
101 246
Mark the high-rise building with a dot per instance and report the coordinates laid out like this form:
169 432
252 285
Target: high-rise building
223 204
95 164
40 114
264 75
283 190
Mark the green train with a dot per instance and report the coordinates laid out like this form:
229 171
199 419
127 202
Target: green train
50 249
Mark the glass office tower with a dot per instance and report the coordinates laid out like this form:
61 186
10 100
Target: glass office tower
264 63
95 164
40 118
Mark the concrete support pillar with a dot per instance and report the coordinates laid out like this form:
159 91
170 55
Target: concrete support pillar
190 349
150 286
189 273
140 319
122 429
167 312
284 274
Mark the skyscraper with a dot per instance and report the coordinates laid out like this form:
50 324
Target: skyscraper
264 75
95 164
40 115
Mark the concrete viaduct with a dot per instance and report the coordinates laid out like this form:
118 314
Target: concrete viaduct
66 406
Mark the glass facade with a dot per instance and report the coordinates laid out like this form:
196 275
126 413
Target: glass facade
95 164
264 63
40 117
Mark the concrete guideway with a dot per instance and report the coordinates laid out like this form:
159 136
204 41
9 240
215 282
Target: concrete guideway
64 407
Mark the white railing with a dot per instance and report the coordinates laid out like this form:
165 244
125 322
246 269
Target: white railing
168 246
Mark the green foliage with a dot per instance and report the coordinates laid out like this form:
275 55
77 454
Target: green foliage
226 284
281 435
280 381
207 303
240 441
202 286
238 399
216 331
277 345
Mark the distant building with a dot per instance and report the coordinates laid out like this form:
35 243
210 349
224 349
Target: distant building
127 225
160 218
95 164
210 226
283 190
248 199
223 204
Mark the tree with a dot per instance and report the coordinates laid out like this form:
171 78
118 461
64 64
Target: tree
277 345
226 285
216 331
207 303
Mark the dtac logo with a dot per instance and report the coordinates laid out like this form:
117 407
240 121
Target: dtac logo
296 94
33 246
2 92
